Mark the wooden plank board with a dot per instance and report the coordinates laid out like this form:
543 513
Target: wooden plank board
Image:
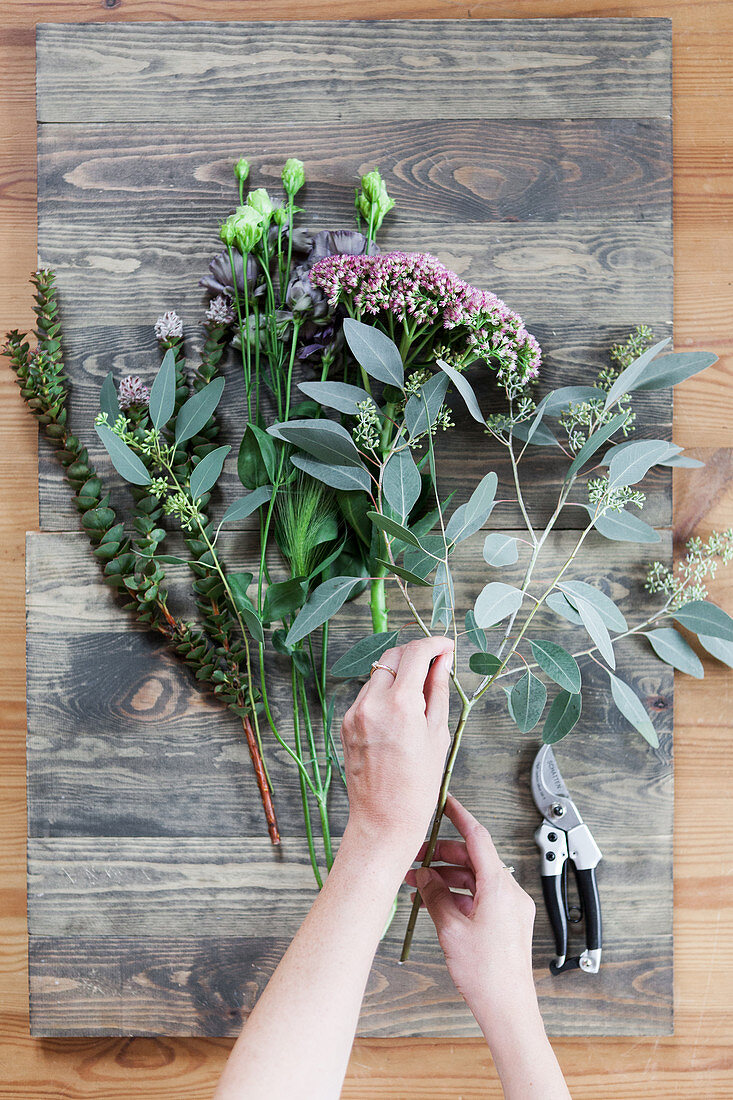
559 68
555 138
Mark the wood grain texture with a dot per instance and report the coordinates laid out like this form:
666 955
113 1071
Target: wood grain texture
696 1061
422 70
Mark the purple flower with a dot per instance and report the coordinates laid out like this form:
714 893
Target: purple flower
133 392
219 280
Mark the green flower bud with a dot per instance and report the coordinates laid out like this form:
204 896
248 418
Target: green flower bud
373 201
260 201
241 169
280 215
227 231
248 226
371 184
293 176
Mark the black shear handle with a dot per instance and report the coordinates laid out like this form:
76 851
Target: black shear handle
591 905
555 904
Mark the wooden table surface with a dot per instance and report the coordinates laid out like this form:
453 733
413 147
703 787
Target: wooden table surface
697 1061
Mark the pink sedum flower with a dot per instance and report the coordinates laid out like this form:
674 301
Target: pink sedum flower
133 392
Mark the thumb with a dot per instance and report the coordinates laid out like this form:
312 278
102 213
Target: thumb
436 895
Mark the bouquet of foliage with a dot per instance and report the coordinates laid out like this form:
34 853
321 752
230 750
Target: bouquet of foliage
342 476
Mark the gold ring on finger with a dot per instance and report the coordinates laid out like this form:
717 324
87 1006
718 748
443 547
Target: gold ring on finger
386 668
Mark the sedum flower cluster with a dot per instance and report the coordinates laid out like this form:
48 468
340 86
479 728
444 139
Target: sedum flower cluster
417 290
700 563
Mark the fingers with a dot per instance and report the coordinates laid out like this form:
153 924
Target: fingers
437 693
415 661
479 845
456 878
446 851
463 903
380 679
439 901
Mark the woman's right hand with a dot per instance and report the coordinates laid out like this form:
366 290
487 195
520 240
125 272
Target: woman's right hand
486 935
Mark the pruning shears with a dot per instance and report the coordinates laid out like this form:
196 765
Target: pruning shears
564 837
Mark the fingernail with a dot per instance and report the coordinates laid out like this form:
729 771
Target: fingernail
422 877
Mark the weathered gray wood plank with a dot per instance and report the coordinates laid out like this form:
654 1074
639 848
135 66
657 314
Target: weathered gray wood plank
530 68
475 171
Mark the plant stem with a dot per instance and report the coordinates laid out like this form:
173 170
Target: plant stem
303 788
378 600
435 830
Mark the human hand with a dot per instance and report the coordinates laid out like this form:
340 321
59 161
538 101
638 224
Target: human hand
395 738
486 936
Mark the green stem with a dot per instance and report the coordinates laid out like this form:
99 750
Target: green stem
378 601
303 788
320 796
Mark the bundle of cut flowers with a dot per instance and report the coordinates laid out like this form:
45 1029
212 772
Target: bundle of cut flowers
341 474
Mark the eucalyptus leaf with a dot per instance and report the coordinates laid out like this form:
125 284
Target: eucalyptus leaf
124 460
496 601
284 598
395 530
500 550
245 506
670 646
443 596
465 390
633 709
562 716
471 516
635 461
630 378
204 475
597 630
195 413
375 352
527 701
536 433
557 401
623 526
594 443
683 461
424 561
579 590
558 664
108 400
163 392
321 605
257 462
239 583
404 574
323 439
484 664
561 605
476 635
338 477
423 407
705 618
716 647
336 395
358 660
674 368
401 482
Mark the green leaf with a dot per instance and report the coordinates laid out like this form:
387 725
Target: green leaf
424 561
350 478
561 605
465 390
500 550
124 460
321 605
395 530
163 391
284 598
558 664
670 646
108 402
195 413
604 605
401 482
336 395
405 574
633 709
245 506
705 618
716 647
536 433
495 602
674 368
527 701
323 439
594 443
171 559
375 352
629 379
561 717
358 660
239 583
423 407
635 461
684 461
206 472
597 630
561 399
322 566
257 461
471 516
484 664
476 635
444 599
623 526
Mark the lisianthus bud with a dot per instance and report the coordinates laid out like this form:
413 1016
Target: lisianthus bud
241 169
227 231
293 176
280 215
371 184
260 201
248 224
373 201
